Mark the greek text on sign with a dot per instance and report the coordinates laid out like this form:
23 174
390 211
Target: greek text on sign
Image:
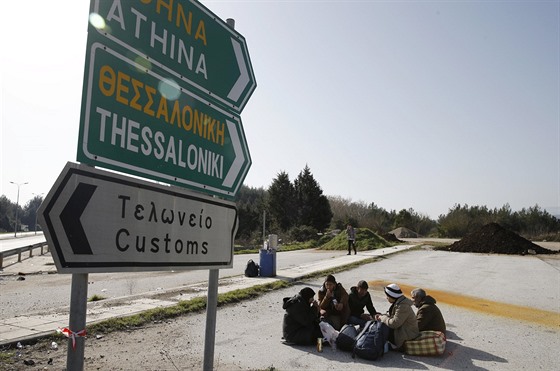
98 221
183 38
136 121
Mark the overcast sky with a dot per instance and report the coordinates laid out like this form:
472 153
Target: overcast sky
407 104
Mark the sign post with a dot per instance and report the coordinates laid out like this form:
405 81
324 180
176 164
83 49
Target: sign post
77 322
164 85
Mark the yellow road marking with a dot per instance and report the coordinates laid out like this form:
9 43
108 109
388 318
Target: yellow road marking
516 312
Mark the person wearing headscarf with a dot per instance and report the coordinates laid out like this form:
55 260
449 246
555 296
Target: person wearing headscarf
400 318
333 303
301 319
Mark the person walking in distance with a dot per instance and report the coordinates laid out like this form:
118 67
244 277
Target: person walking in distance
351 237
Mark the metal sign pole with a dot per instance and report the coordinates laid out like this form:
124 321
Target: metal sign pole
212 303
211 311
77 323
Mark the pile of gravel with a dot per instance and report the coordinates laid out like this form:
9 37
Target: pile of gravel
494 239
390 237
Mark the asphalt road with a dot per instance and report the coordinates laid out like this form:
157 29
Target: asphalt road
502 313
8 242
42 291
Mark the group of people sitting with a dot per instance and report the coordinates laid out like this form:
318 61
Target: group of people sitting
338 307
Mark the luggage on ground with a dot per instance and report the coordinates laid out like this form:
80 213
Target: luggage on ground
252 269
347 338
429 343
370 342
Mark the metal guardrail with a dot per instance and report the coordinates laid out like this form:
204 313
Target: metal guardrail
20 250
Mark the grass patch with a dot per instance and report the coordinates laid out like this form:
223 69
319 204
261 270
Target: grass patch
96 298
366 239
181 308
299 246
6 356
287 247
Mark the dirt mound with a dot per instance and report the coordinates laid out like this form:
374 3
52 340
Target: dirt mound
403 232
494 239
390 237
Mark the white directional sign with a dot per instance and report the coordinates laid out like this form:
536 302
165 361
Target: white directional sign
97 221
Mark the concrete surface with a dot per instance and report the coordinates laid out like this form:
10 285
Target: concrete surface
502 313
28 326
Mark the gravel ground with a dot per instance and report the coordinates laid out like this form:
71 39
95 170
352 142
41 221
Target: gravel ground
248 335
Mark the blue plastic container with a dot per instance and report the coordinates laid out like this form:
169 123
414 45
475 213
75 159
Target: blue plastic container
267 263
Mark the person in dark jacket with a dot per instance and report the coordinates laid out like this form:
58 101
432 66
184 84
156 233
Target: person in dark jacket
429 316
359 298
333 303
301 320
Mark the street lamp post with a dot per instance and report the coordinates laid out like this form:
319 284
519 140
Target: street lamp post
17 205
37 208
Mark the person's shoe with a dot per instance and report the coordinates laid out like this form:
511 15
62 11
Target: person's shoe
286 342
348 254
355 252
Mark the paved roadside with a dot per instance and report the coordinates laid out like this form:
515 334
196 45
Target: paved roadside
502 313
30 326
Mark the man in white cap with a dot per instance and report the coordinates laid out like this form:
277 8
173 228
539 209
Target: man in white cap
400 318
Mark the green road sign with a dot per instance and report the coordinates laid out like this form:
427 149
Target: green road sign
139 121
184 39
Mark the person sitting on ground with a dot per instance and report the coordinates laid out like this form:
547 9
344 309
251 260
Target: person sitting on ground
400 318
429 316
301 320
333 303
359 298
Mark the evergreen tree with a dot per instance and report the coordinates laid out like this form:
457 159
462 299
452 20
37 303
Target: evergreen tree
250 206
314 209
282 202
7 209
29 215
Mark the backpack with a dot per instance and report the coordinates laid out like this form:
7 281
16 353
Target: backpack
346 338
252 269
370 343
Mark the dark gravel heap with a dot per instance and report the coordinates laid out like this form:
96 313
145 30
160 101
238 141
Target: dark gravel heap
493 239
390 237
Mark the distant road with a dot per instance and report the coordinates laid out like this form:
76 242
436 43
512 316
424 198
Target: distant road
8 241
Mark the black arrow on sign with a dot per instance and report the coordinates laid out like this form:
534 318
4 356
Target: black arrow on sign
70 218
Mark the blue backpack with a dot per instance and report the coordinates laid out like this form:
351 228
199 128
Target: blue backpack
370 342
346 338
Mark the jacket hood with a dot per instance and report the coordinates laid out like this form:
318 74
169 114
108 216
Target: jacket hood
404 300
291 301
428 300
